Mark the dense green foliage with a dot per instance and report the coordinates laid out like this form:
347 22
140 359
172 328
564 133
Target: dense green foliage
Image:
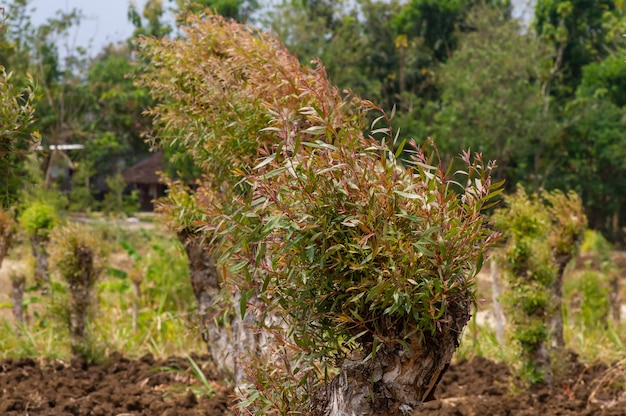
16 139
38 219
360 250
542 232
510 121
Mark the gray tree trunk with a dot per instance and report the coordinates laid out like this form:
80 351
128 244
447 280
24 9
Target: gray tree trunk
18 282
229 340
556 289
395 381
42 276
496 305
81 287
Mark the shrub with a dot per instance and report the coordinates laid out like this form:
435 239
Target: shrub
589 301
38 219
115 202
75 256
542 232
343 261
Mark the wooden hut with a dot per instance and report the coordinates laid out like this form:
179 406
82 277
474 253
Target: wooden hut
145 178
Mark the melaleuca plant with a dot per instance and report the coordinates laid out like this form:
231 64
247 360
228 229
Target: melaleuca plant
542 234
343 261
75 255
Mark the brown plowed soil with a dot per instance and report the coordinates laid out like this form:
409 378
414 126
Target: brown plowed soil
481 387
120 387
123 387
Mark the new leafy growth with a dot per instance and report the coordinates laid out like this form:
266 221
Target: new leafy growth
543 232
75 256
358 270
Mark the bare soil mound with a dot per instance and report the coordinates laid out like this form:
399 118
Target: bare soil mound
149 387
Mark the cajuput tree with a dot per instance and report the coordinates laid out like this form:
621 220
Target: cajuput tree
542 234
351 272
76 256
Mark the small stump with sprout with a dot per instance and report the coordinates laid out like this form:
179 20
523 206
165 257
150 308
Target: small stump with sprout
74 255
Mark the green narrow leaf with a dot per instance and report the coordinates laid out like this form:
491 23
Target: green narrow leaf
266 161
243 302
407 195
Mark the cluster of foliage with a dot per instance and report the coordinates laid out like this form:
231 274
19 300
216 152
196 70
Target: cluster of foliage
542 232
16 138
38 219
318 225
74 256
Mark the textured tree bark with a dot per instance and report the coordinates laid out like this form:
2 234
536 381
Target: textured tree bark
229 340
78 317
395 381
496 305
81 286
18 281
42 277
556 318
204 278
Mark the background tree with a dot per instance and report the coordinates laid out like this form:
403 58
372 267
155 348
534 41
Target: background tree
17 138
511 121
590 146
240 10
582 32
113 118
150 22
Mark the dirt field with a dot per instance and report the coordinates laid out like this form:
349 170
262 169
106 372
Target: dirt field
120 387
143 387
